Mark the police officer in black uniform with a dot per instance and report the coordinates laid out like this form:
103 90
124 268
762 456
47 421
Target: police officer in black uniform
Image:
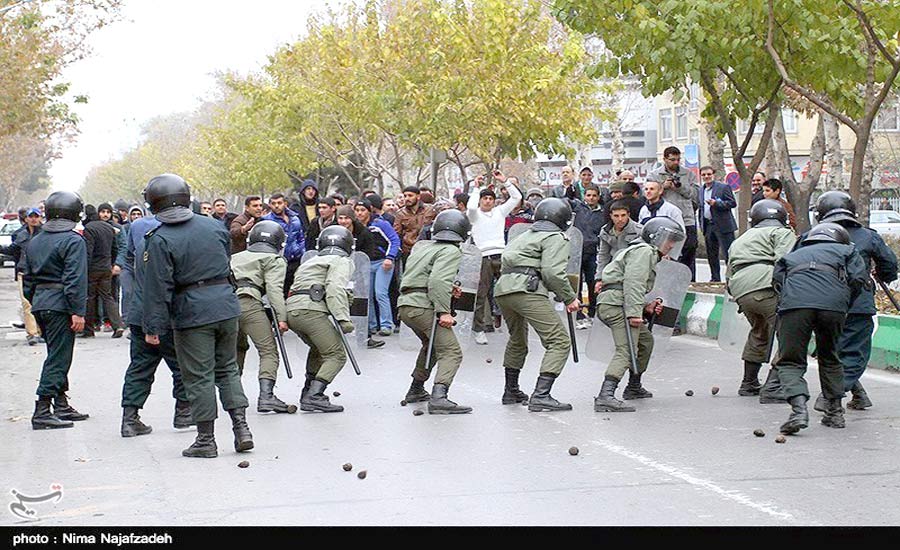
188 289
816 284
55 282
855 344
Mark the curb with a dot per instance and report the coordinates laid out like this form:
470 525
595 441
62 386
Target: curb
701 314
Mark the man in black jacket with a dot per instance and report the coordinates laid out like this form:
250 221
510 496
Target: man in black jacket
716 201
590 217
816 284
327 209
100 237
20 240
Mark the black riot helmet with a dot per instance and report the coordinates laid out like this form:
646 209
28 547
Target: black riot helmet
768 213
451 226
836 206
167 191
827 232
659 230
335 239
552 214
64 205
266 236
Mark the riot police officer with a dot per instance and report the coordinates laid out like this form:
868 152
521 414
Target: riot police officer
533 265
55 282
188 289
855 344
318 296
260 271
751 261
426 291
816 285
626 280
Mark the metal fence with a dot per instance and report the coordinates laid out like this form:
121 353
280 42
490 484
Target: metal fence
877 203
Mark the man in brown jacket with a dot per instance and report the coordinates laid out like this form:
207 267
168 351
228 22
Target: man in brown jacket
409 220
241 225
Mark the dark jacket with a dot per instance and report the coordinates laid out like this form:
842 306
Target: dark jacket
871 248
172 262
721 219
102 247
226 219
590 222
134 260
364 241
56 258
634 207
299 207
16 248
835 281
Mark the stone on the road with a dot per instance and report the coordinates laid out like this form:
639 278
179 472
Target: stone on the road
347 467
689 393
759 433
573 451
418 412
361 474
714 390
780 439
244 464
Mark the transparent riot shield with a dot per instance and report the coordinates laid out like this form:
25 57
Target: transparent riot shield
573 274
734 327
360 279
467 279
517 230
672 281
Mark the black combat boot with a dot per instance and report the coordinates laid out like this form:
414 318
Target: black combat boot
606 401
316 400
821 403
131 423
860 399
268 402
771 392
64 411
750 384
183 417
799 418
205 444
309 378
634 389
439 404
43 419
417 392
243 439
541 400
834 415
511 392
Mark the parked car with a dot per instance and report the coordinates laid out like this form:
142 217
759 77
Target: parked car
7 228
885 222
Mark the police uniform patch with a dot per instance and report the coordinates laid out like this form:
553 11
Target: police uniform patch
146 256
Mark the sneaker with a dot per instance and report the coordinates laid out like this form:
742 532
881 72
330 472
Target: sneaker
34 340
18 325
107 327
373 343
385 332
480 338
397 328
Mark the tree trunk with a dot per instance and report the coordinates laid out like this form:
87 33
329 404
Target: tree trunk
716 150
799 193
834 157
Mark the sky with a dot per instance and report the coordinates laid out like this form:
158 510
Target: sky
162 58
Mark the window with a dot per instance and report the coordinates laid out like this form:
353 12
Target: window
694 137
694 102
789 117
681 123
887 119
665 124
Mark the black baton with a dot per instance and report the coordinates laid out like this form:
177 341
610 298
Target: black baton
430 349
270 313
344 341
572 336
630 339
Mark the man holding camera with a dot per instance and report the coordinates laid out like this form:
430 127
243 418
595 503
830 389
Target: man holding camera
680 187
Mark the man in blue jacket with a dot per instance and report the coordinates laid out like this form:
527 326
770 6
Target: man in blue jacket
295 245
716 202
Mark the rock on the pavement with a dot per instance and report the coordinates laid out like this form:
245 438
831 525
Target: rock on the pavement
418 412
403 403
243 464
347 467
714 390
689 393
780 439
759 433
337 394
361 474
573 451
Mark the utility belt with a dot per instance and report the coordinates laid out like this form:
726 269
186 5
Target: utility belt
316 293
840 272
413 290
247 283
739 267
534 276
203 283
49 286
611 286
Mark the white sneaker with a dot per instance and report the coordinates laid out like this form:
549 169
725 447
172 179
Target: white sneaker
480 338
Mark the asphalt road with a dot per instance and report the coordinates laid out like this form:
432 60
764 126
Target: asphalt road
678 460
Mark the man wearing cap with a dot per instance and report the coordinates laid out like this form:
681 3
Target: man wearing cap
488 223
16 249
